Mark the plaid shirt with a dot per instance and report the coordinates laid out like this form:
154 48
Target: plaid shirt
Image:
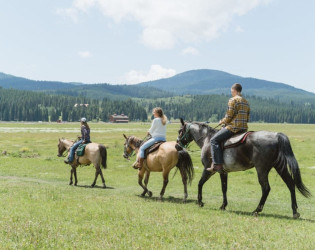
237 115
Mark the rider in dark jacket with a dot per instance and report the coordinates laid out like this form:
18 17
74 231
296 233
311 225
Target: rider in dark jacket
85 138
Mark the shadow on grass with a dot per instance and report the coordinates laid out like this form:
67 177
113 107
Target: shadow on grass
276 216
169 199
96 186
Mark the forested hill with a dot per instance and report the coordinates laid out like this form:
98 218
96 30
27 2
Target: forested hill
19 105
213 108
206 81
96 91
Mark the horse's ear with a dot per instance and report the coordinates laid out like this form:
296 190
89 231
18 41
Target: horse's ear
125 136
182 121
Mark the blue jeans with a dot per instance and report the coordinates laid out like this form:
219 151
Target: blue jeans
216 140
149 143
73 149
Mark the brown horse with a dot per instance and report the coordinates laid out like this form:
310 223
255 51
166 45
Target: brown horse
161 160
94 153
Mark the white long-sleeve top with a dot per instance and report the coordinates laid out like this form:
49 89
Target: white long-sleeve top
157 128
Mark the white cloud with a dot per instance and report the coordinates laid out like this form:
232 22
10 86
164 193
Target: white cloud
239 29
190 51
84 54
167 22
156 72
70 12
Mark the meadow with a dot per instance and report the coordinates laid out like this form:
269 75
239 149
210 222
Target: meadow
38 209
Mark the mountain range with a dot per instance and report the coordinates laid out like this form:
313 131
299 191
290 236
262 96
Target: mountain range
193 82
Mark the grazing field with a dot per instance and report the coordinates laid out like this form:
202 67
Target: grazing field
38 209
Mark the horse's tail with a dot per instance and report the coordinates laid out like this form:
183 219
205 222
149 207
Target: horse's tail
103 154
286 158
185 164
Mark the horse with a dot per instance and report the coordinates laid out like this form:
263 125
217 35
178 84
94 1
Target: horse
94 153
262 150
162 160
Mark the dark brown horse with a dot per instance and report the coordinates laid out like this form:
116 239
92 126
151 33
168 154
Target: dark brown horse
94 153
262 150
161 160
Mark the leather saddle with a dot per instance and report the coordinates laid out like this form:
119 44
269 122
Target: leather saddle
236 140
152 148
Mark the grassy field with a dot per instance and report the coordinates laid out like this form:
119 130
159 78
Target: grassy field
38 209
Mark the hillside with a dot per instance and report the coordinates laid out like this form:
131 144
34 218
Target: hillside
96 91
207 81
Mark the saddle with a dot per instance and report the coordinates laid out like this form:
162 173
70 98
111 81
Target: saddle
152 148
81 149
236 140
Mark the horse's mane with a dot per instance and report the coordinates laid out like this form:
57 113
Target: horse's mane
205 125
136 141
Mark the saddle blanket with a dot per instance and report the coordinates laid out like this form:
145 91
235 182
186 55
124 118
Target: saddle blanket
81 149
236 140
152 148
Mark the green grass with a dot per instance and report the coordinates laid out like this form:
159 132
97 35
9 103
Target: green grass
38 209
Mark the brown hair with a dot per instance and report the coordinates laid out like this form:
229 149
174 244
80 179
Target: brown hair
237 87
160 113
85 124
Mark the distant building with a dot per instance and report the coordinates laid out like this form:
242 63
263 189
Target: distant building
119 118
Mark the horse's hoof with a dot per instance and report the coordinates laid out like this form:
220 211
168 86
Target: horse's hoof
70 183
143 194
93 185
222 208
76 184
184 201
296 216
161 198
201 204
104 186
255 214
150 194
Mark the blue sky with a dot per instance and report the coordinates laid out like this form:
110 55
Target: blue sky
129 41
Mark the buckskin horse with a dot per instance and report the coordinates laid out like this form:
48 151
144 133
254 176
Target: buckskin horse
162 160
262 150
94 153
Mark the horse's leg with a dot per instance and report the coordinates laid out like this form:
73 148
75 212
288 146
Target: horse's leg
205 176
165 182
140 178
184 179
224 179
97 172
71 174
286 177
265 188
75 176
146 181
103 180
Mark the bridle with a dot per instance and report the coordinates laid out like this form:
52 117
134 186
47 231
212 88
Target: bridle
184 137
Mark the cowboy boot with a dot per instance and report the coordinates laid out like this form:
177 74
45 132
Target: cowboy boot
216 168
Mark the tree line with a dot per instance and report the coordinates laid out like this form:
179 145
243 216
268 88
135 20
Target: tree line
213 107
17 105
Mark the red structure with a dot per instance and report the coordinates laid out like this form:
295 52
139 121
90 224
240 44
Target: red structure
119 118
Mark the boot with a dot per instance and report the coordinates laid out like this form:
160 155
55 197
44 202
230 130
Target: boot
66 161
216 168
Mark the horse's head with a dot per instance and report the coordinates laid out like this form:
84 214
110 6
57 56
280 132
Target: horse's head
129 146
184 135
61 148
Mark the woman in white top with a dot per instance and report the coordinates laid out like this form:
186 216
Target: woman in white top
157 131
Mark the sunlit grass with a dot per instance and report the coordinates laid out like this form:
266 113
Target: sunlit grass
40 210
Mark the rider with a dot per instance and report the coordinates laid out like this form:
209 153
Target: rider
85 138
157 131
235 121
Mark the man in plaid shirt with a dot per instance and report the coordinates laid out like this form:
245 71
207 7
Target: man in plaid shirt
235 121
